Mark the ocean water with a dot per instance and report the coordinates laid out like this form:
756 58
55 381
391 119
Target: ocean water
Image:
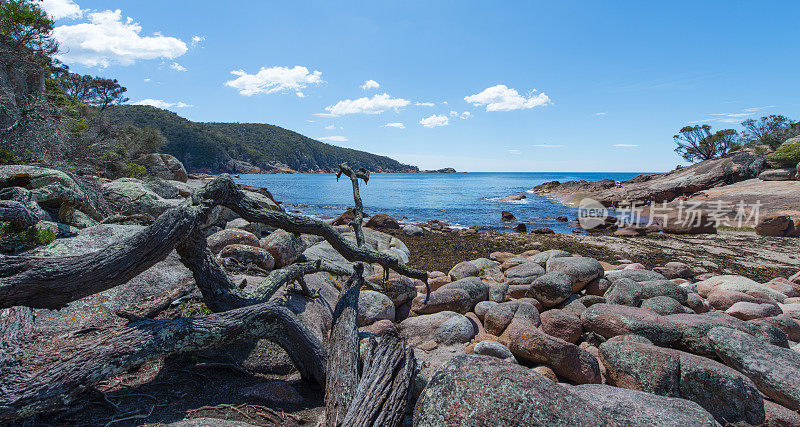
461 199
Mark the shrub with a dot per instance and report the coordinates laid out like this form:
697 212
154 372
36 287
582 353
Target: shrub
135 170
785 156
16 240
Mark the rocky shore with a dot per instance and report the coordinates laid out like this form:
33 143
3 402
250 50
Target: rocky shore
516 328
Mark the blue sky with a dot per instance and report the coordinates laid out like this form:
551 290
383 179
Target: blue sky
528 86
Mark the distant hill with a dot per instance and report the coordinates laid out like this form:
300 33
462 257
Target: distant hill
246 147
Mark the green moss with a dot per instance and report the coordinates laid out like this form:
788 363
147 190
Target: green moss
785 156
16 240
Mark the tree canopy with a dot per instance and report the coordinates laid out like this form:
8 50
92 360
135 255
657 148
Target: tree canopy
768 130
697 143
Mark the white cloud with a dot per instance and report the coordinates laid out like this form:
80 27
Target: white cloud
335 138
600 114
425 104
300 94
106 39
147 79
464 115
158 103
196 40
444 102
503 98
58 9
370 84
330 127
274 79
625 145
548 145
395 125
177 67
375 105
514 152
435 121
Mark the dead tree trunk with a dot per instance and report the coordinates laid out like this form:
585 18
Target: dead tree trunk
54 282
43 373
55 370
385 387
359 206
342 370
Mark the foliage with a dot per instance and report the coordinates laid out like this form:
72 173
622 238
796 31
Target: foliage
210 146
97 91
7 157
27 25
786 156
697 143
15 240
135 170
768 130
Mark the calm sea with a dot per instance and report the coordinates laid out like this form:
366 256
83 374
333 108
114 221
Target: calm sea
462 199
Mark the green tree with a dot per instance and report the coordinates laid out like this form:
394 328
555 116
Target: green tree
697 143
26 24
97 91
767 130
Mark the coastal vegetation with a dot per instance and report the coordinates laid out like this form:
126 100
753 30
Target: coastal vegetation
246 147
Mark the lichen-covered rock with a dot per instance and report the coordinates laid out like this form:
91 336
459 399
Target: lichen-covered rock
499 316
611 320
750 310
543 257
694 329
728 395
247 254
736 283
232 236
494 349
420 329
483 390
528 342
163 166
665 305
463 270
374 306
551 289
284 246
133 197
635 275
562 324
773 369
581 270
624 292
636 408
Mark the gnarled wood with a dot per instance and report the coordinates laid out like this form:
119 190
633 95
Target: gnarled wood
342 370
385 387
58 369
54 282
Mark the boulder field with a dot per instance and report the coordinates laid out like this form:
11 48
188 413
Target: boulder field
554 338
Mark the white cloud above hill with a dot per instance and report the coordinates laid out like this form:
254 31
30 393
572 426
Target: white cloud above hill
274 79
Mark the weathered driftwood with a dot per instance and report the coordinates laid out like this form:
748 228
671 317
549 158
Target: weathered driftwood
343 357
385 387
48 372
43 373
17 214
362 173
54 282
